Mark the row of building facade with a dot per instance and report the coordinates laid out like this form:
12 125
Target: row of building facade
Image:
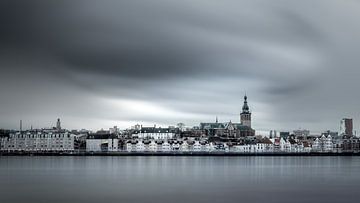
207 137
107 142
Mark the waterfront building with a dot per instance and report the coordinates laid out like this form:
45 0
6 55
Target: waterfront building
306 146
102 142
323 144
351 144
205 146
242 148
280 144
153 146
175 146
38 141
165 147
184 146
140 146
265 145
129 146
196 147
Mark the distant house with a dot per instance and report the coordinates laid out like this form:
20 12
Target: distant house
102 142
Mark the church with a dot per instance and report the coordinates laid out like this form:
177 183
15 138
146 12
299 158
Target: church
230 130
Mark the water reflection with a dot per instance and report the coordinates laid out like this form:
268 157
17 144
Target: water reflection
179 179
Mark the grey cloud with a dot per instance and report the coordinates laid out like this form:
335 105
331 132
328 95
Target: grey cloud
193 57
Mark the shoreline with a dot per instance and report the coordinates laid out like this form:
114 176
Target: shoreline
177 154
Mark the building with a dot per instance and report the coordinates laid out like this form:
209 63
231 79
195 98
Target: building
333 134
284 134
36 141
114 130
351 144
323 144
229 130
346 127
301 134
155 133
245 115
102 142
273 134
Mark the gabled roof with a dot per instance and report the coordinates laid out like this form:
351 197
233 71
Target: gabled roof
265 140
292 141
306 144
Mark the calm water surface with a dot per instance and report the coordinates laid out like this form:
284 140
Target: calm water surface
179 179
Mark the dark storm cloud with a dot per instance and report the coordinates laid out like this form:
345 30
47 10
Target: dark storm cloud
91 62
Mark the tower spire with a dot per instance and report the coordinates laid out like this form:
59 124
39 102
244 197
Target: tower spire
245 115
245 108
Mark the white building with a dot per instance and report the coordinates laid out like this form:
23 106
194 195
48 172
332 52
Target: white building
242 148
153 146
184 146
102 143
196 146
323 144
140 146
155 133
175 146
165 147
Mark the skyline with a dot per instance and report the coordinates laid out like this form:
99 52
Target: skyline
122 63
266 133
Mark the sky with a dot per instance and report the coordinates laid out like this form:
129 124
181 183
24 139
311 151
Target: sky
96 64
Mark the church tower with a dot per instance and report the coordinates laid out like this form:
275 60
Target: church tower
245 115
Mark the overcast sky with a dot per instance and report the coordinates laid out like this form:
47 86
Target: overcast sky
96 64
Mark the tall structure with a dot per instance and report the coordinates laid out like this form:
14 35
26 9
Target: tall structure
58 124
346 127
245 115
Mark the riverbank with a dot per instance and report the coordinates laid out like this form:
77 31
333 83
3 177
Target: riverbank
176 154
